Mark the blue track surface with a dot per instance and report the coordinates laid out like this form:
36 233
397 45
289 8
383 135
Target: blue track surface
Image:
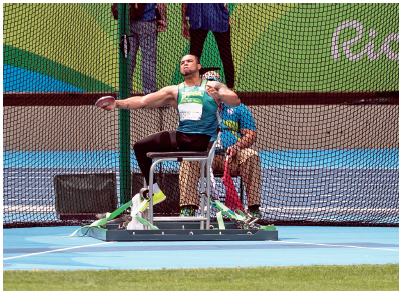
50 248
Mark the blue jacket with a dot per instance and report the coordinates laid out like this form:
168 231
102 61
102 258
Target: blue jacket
233 119
208 16
150 13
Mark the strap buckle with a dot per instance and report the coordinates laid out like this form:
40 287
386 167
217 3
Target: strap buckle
248 223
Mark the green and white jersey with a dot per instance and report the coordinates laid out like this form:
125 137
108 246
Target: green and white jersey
197 110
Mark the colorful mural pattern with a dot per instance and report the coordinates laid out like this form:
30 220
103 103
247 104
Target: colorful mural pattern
276 47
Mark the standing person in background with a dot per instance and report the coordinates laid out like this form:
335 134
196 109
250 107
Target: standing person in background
146 21
205 17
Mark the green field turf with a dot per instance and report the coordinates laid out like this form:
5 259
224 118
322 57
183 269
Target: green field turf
291 278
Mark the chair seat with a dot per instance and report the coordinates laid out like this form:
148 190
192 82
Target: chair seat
154 155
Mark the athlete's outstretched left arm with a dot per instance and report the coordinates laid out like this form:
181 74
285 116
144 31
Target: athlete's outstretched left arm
220 92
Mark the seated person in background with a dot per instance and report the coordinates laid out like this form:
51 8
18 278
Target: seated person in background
238 134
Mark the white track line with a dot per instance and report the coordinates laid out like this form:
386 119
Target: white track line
57 250
332 245
326 245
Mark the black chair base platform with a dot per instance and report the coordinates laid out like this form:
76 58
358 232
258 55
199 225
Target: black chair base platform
182 231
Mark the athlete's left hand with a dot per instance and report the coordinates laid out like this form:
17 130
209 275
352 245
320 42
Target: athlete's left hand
212 92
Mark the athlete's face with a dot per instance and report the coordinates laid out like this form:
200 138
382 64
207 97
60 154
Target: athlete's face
188 65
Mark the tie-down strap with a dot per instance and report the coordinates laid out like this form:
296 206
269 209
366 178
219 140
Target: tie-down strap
109 216
241 220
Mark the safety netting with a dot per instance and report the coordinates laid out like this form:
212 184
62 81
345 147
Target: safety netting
318 82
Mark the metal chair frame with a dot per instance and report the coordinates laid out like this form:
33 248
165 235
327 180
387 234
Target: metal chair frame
205 158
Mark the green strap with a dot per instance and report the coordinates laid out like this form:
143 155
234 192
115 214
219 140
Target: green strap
268 227
98 223
134 214
145 222
238 211
227 211
109 216
220 221
87 227
237 215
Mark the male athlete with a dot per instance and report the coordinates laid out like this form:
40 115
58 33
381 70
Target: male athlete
197 102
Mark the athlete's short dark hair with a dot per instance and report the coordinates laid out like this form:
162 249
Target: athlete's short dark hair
196 57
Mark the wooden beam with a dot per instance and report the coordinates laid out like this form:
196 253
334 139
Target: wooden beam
247 98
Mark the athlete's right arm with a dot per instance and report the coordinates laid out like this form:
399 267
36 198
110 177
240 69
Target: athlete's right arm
166 95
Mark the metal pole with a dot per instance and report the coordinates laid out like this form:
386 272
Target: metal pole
202 163
124 115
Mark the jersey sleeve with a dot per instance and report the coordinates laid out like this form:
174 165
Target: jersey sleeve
246 119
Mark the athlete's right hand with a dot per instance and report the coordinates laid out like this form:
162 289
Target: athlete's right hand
110 107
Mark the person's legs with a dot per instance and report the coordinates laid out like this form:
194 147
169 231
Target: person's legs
134 45
161 142
148 42
188 178
219 162
197 40
189 174
192 141
158 142
223 41
250 171
247 165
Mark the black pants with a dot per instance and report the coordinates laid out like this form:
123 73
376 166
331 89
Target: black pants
223 41
160 142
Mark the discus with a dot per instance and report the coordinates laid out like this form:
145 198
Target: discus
105 101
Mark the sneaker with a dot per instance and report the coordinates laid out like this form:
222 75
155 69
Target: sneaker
255 212
187 211
157 198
